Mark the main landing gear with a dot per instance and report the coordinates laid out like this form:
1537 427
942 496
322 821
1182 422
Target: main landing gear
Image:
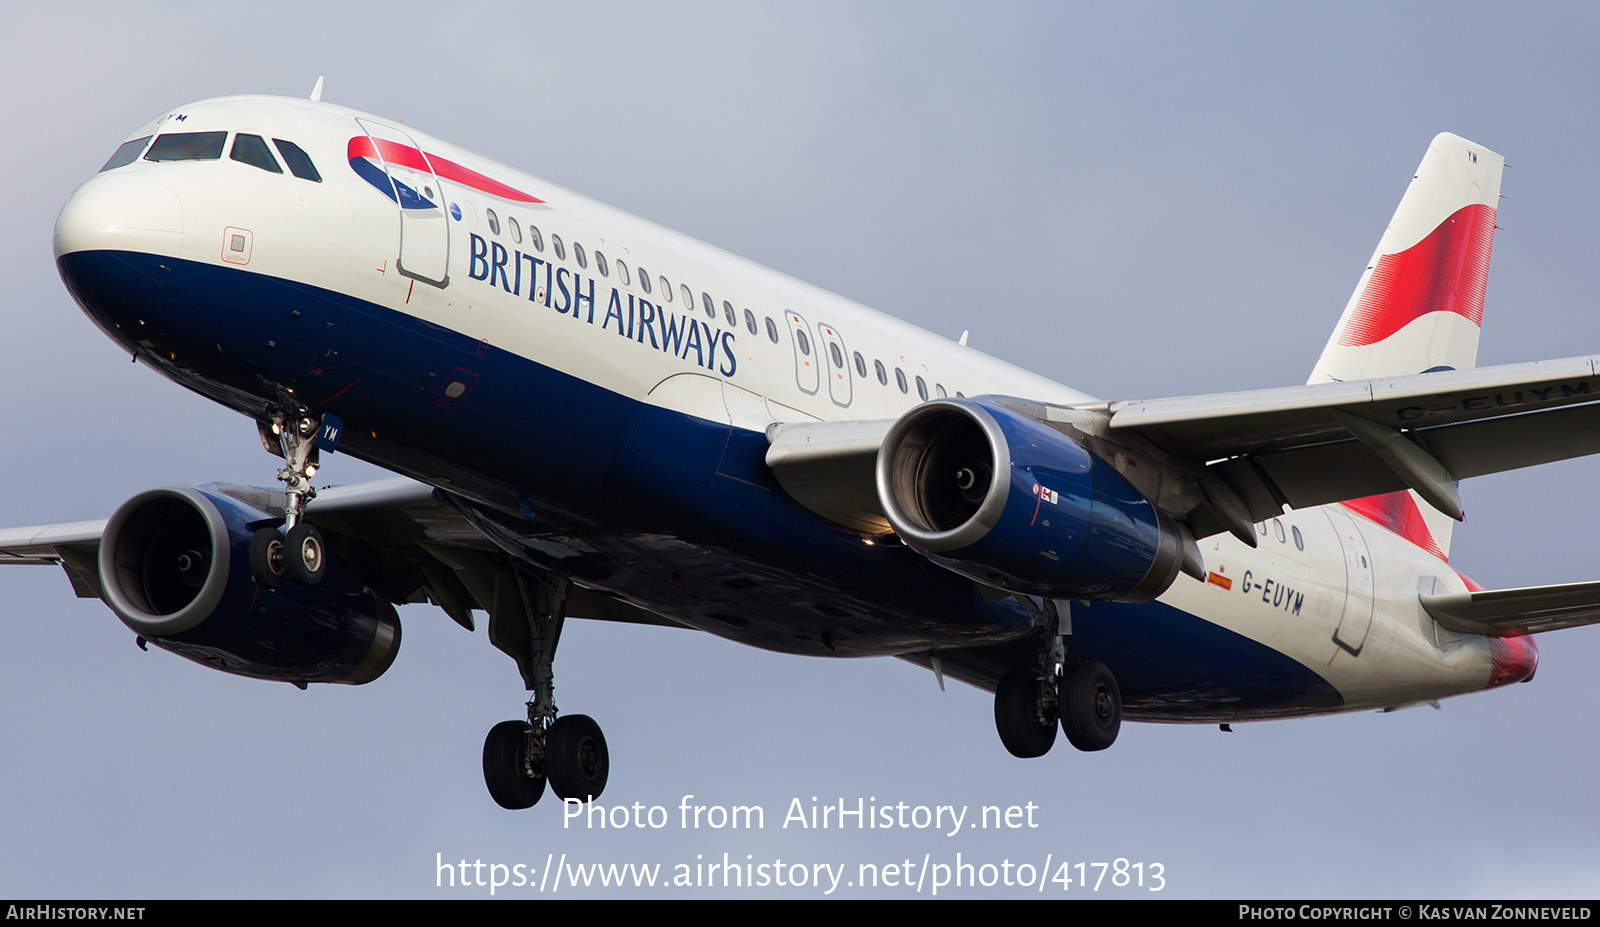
1083 696
298 553
567 752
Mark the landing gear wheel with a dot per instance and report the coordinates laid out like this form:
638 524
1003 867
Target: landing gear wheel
1027 727
305 556
576 759
1091 707
267 558
505 769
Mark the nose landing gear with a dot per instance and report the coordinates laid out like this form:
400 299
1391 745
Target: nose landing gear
300 556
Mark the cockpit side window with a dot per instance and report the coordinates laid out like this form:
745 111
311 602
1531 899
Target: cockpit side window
299 162
187 146
126 153
253 150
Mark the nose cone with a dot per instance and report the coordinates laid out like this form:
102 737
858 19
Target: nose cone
1514 659
120 212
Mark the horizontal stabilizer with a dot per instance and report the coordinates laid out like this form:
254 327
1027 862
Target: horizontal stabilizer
1515 612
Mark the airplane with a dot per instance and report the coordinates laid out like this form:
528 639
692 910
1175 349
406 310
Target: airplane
592 416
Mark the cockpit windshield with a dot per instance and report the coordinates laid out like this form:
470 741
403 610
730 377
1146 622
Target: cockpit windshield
252 150
299 162
126 153
187 146
207 146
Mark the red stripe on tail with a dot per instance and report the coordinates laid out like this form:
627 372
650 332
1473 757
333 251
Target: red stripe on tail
1445 272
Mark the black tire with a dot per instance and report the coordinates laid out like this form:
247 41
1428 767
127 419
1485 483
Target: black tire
305 555
1017 715
503 770
1091 707
268 554
576 759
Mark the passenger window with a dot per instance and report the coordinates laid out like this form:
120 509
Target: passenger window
600 264
187 146
750 321
516 230
1277 526
494 221
900 378
1299 542
299 162
772 331
804 342
728 313
126 154
666 291
922 389
579 256
560 249
861 365
939 389
622 271
711 307
688 298
644 281
535 239
836 354
883 375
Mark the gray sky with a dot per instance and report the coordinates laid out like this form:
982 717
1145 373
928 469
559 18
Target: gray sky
1171 200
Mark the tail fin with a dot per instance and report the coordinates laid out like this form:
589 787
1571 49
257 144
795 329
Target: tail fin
1420 301
1419 304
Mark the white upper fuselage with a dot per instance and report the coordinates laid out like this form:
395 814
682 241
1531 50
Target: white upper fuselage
1331 590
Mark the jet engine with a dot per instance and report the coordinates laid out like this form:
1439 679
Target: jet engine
1013 503
174 566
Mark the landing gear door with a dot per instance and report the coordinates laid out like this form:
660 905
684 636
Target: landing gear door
424 231
807 359
1351 634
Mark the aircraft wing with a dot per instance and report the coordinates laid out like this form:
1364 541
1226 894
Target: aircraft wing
1226 461
1312 445
1515 612
416 547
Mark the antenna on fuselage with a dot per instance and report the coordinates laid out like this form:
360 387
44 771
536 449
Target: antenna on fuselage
963 341
316 92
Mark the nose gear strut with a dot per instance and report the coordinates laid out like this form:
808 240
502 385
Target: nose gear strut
299 553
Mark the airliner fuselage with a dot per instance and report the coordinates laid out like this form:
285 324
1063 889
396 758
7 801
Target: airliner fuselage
597 396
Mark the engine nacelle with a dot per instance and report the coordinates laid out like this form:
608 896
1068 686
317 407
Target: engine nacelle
1010 502
174 566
